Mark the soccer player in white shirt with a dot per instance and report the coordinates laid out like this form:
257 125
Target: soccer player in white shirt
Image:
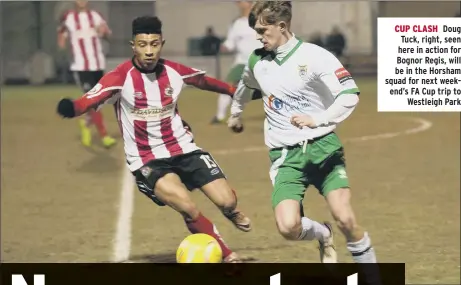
306 93
241 39
159 147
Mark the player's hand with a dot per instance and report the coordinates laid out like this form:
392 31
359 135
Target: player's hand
103 31
66 108
235 124
302 121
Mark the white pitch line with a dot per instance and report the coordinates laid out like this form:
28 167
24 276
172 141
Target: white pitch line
122 242
423 125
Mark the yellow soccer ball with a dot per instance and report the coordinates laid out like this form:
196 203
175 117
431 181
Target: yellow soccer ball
199 248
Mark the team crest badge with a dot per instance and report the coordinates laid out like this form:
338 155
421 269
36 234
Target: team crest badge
146 171
302 70
169 91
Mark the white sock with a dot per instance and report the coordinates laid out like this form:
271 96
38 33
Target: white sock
362 251
223 103
312 230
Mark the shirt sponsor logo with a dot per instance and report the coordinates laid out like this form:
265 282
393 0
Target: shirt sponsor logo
153 114
343 75
275 103
288 103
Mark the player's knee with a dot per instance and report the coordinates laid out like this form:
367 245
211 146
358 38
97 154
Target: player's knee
345 221
228 201
289 227
288 218
221 194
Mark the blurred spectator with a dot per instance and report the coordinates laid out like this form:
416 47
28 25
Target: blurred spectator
210 43
336 42
316 39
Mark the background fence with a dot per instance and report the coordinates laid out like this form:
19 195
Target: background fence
29 53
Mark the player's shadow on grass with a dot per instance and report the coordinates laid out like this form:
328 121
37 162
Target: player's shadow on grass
255 118
170 257
102 162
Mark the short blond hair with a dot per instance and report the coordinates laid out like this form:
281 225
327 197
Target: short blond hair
272 12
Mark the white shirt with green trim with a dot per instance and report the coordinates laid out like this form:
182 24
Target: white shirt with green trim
298 78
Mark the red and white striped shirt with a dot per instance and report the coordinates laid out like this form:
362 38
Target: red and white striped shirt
146 107
81 27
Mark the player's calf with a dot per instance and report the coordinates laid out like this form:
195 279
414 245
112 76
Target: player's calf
225 198
358 241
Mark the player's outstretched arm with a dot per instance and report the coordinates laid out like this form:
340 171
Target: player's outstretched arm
106 91
207 83
198 79
244 94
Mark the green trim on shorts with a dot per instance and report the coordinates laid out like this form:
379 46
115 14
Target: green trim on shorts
321 164
235 74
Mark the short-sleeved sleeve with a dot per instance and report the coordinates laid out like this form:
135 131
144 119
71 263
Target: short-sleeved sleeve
98 19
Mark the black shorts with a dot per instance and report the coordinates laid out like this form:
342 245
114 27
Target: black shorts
195 169
86 80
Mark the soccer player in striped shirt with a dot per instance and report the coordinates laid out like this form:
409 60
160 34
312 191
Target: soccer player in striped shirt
84 28
160 150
